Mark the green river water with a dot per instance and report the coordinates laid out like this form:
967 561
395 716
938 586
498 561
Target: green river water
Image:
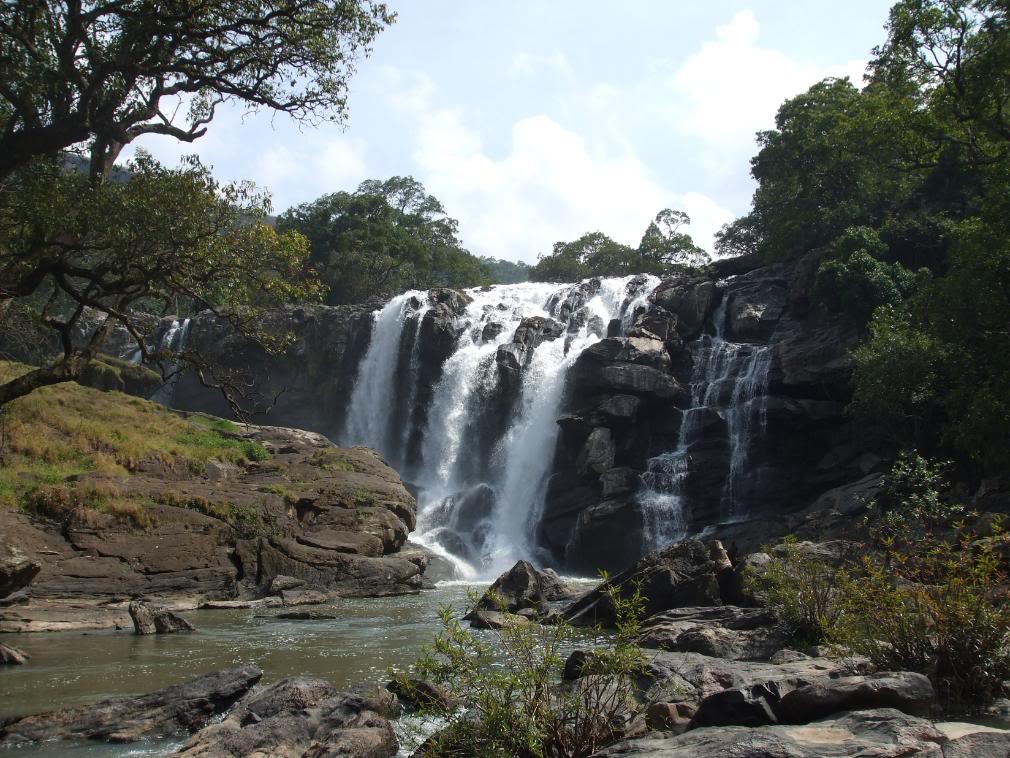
369 637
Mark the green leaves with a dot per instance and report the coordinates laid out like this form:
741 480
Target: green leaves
382 239
662 250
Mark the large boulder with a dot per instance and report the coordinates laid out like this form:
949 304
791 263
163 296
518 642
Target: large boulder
690 300
795 701
305 718
172 711
721 631
16 569
753 310
523 587
151 619
683 574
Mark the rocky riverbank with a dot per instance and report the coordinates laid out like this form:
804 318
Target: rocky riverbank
718 679
302 522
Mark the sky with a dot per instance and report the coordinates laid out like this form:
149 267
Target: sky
535 122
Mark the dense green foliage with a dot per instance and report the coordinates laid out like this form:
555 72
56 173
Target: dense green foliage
664 248
901 189
178 235
383 238
500 271
513 702
928 596
92 76
104 72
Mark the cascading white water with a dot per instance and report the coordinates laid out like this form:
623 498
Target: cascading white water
481 477
370 410
174 339
730 380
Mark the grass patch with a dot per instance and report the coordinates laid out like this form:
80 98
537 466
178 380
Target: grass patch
331 459
246 519
68 430
60 502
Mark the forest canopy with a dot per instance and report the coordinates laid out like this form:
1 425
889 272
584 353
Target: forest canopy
664 249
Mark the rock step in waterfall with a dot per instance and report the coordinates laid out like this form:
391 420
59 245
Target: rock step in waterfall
728 385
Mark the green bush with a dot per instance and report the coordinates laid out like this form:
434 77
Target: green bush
801 588
927 595
941 609
512 700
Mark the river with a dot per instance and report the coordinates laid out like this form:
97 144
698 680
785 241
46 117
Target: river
368 638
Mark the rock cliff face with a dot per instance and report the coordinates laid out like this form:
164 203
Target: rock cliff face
693 358
712 403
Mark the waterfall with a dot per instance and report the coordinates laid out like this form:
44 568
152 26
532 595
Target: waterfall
370 417
173 340
488 434
728 385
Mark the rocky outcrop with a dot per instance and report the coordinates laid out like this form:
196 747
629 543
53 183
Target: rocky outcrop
722 631
149 619
16 569
330 520
176 710
303 718
683 574
626 401
881 732
524 587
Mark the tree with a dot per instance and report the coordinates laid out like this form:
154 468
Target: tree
664 246
109 248
107 71
384 237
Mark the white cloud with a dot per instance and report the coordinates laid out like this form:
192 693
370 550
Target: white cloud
550 185
732 87
531 64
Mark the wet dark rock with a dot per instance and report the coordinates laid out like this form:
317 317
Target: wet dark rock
690 300
179 709
420 693
301 717
523 587
150 619
11 656
683 574
491 331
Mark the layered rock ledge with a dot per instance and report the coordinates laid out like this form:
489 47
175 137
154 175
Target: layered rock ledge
330 520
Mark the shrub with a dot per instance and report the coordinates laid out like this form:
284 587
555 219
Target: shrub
941 609
801 587
927 596
513 703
